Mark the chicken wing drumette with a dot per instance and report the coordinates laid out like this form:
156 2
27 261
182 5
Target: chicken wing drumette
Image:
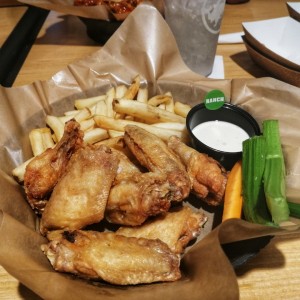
135 195
44 171
153 153
208 177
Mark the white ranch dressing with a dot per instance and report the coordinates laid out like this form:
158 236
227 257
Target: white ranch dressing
221 135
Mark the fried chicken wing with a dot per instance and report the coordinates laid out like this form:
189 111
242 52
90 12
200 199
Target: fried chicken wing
135 195
113 258
208 177
80 197
153 153
126 167
118 143
176 228
44 171
136 198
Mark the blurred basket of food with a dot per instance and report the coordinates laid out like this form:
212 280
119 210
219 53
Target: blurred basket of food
119 9
101 17
101 30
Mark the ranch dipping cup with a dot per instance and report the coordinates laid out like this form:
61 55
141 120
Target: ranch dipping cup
218 129
196 26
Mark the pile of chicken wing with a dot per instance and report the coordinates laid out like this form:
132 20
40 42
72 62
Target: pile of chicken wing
138 182
119 8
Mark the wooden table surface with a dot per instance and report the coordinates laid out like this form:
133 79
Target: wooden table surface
274 272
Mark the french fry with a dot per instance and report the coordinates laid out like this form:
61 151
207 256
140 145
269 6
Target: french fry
174 126
170 103
171 125
82 103
113 142
87 124
19 171
109 100
101 108
66 118
142 95
162 106
112 124
146 112
133 88
117 143
81 115
120 116
71 112
121 91
36 141
119 125
56 125
159 99
115 133
47 139
128 117
95 135
181 109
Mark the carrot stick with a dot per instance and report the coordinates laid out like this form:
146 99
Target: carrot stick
233 199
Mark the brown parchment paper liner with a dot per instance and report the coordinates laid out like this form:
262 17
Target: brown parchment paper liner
149 50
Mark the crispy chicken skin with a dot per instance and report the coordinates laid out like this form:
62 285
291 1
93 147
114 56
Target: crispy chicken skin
135 198
176 228
135 195
119 144
44 171
113 258
153 154
208 177
126 167
80 197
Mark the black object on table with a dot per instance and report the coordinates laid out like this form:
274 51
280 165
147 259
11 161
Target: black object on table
18 44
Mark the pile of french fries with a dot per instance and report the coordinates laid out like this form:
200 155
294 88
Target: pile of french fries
105 116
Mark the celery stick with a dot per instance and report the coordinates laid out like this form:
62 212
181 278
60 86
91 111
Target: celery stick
294 209
253 164
274 174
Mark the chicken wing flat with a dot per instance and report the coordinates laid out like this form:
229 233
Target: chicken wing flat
153 154
44 171
176 228
80 197
113 258
208 177
135 198
135 195
126 167
118 143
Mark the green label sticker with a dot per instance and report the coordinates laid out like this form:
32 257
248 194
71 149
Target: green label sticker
214 99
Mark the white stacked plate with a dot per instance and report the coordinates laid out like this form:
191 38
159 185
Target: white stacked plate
274 45
294 10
